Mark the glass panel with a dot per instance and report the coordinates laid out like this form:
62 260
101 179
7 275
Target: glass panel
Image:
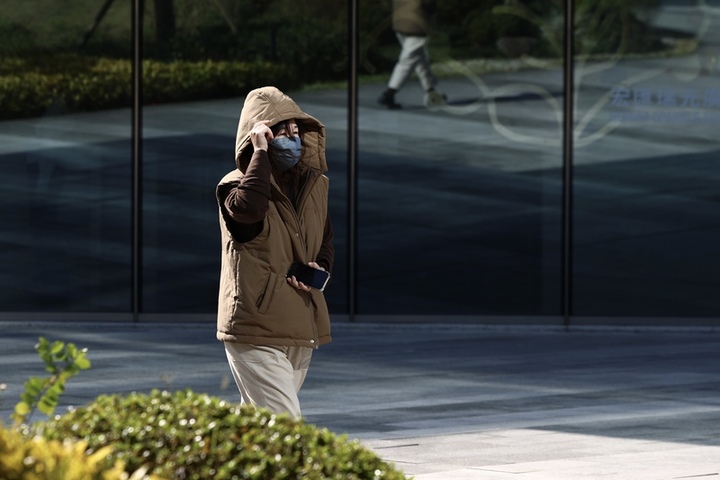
647 241
460 197
65 162
202 58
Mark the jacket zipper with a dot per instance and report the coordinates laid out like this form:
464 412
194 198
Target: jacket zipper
302 199
314 325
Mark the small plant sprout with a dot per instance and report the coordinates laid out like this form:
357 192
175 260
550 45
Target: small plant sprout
62 361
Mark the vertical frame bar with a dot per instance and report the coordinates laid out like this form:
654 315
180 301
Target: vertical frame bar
568 145
136 177
353 49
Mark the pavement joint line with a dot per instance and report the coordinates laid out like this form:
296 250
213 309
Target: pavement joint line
381 326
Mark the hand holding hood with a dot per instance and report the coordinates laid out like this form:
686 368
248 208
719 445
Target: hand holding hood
269 103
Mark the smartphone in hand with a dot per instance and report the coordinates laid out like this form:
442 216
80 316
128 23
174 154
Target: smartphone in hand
312 277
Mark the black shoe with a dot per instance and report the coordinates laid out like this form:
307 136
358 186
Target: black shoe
388 100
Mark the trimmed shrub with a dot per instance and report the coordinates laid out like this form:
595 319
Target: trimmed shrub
29 86
35 458
185 435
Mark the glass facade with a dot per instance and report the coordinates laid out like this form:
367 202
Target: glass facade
460 202
544 178
64 164
645 204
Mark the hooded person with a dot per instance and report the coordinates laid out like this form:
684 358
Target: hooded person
273 211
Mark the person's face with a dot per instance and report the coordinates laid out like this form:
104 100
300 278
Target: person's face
288 129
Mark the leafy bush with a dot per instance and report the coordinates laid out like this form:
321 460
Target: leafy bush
197 437
30 85
26 456
36 458
30 457
177 81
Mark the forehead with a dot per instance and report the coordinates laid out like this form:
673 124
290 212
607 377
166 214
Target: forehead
287 124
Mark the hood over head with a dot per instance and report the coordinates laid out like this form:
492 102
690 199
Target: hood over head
269 103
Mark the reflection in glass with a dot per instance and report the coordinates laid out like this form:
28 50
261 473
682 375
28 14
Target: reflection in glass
64 158
202 58
460 202
646 207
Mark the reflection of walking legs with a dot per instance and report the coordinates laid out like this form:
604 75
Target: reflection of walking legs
413 57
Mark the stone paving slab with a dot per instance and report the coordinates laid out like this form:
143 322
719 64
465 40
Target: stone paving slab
447 402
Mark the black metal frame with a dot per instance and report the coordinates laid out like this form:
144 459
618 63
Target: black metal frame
568 145
352 179
353 49
136 205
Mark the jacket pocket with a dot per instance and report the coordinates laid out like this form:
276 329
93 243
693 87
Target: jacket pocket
265 298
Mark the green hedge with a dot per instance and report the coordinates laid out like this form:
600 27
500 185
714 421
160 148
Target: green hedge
36 458
30 86
189 436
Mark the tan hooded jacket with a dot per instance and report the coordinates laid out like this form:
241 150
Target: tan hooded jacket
256 305
413 17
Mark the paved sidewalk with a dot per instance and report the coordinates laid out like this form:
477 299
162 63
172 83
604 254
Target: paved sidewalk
448 402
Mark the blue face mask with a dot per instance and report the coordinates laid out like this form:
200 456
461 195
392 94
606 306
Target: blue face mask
284 152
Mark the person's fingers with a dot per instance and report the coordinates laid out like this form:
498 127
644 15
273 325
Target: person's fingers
260 134
299 285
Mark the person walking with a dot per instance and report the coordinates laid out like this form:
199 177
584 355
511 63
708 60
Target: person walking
412 23
273 211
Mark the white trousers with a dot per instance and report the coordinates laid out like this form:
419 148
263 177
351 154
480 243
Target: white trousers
413 57
268 376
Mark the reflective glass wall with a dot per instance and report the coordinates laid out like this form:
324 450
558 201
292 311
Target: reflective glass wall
468 200
65 130
460 187
69 170
201 58
646 206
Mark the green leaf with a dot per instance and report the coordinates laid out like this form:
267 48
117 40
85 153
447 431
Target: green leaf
46 406
34 386
82 362
57 347
22 409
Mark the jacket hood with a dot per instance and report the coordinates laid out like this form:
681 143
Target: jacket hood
269 103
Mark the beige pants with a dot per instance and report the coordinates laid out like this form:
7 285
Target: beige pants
413 57
269 376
